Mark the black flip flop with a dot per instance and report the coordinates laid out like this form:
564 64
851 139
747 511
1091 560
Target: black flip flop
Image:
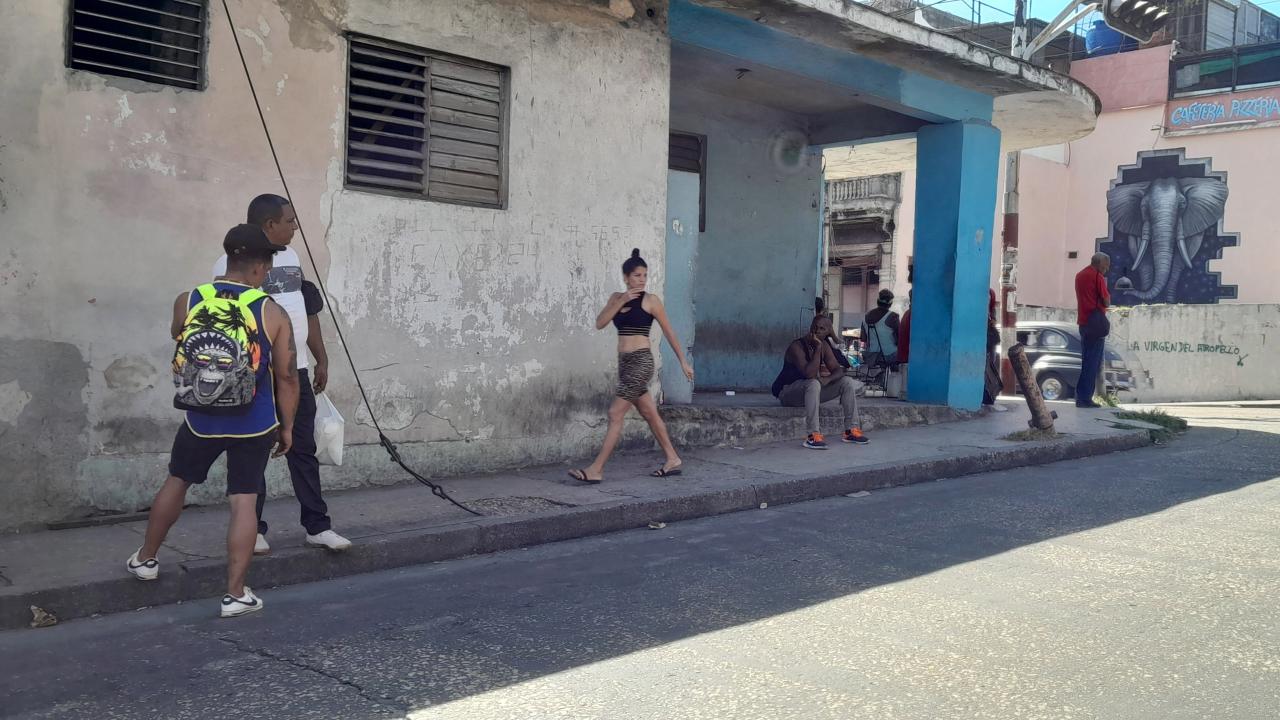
581 476
662 472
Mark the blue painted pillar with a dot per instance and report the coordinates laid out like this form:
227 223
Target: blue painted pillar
956 173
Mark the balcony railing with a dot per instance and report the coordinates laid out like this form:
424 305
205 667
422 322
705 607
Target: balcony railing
880 187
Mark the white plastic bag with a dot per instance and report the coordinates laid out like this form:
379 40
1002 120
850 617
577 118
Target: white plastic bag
329 431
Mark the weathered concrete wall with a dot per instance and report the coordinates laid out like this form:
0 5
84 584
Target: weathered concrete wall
758 259
473 326
1187 353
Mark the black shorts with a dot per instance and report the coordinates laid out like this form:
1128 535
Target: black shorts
192 456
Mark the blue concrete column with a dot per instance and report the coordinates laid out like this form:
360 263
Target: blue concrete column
956 174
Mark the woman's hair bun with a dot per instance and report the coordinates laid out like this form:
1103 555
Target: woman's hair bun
633 262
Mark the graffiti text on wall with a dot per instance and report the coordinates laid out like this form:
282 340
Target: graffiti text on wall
1178 346
1257 106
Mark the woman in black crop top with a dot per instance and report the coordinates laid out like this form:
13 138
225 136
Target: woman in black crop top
632 312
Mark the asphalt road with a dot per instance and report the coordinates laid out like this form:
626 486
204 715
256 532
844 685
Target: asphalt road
1138 585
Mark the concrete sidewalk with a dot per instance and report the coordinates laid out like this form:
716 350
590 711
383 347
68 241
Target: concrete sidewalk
80 572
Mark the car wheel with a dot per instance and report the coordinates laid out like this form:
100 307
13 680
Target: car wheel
1054 387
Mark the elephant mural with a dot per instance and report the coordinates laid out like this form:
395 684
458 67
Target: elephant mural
1165 212
1165 220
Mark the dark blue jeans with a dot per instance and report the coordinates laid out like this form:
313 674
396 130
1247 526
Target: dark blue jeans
1090 366
304 468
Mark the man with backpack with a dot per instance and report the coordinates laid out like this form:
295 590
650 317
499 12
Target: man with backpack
235 370
285 283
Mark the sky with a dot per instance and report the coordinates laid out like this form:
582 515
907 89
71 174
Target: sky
1002 10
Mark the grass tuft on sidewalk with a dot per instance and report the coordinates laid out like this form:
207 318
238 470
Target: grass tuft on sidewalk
1171 424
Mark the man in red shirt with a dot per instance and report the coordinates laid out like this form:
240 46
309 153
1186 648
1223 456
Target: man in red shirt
1092 301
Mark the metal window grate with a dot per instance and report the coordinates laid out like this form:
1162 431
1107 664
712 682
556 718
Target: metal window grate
425 124
159 41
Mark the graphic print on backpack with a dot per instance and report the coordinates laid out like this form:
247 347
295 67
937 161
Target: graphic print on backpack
215 364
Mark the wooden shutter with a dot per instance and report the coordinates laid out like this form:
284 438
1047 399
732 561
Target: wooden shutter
386 118
466 132
426 124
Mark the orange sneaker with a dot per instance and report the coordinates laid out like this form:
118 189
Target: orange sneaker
815 441
855 436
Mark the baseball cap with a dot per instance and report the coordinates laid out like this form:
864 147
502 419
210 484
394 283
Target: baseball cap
248 238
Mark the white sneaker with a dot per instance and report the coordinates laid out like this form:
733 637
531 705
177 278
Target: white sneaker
147 570
243 605
329 540
999 408
260 546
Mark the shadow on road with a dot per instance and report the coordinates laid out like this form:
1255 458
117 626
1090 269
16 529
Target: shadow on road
382 645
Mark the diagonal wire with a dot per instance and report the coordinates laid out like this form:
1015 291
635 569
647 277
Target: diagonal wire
382 437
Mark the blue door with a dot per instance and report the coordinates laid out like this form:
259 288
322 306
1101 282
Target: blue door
682 256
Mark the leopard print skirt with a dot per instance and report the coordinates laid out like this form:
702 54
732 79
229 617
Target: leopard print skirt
635 371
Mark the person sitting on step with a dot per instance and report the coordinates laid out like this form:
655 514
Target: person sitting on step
810 376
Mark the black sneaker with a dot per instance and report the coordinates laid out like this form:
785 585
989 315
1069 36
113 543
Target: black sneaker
855 436
815 441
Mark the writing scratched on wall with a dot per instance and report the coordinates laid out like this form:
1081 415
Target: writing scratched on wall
1176 346
466 249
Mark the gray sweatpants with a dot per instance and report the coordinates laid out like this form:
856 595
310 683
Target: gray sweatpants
810 394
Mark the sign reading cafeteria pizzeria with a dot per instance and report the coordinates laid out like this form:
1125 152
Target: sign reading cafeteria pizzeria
1229 111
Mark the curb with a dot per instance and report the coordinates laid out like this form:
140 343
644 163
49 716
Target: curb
202 579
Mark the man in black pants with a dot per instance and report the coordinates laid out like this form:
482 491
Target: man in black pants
285 284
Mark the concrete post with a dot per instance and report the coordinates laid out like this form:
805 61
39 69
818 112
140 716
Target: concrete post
1041 417
957 166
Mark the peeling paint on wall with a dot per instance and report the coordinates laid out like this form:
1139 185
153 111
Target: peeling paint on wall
13 400
473 316
315 24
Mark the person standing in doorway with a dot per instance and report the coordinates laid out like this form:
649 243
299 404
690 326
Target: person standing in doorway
236 376
632 312
992 383
285 283
1092 301
904 342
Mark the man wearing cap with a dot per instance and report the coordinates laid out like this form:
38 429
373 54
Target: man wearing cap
285 283
240 354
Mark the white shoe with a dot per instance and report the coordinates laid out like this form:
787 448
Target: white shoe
243 605
999 408
329 540
146 570
260 546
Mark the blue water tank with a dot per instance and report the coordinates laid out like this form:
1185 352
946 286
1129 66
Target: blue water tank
1102 39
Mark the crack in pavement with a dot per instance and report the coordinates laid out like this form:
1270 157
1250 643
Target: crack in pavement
383 702
142 532
736 466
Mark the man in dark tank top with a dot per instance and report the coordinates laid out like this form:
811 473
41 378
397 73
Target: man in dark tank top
811 375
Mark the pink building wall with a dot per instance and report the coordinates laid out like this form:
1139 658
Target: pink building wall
1064 204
